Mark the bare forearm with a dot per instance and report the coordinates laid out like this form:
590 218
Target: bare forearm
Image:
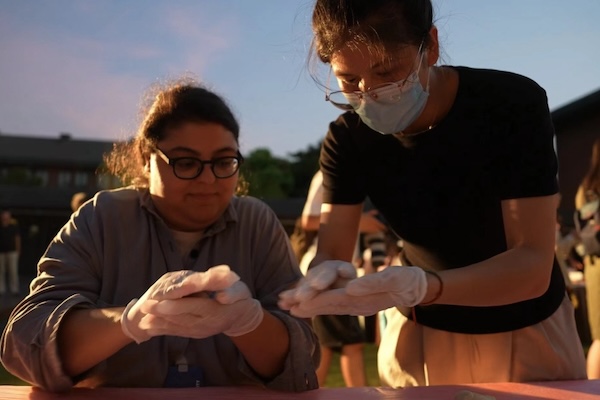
89 336
311 222
265 348
515 275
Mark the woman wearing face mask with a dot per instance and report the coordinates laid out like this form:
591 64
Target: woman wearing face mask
460 162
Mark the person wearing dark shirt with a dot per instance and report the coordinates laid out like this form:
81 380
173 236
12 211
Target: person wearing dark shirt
10 249
460 162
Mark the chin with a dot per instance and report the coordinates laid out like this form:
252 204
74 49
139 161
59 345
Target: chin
199 221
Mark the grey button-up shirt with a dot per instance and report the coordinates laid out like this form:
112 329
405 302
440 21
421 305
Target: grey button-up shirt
112 250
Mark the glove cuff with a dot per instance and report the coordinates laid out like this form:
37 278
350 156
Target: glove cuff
440 290
242 327
125 322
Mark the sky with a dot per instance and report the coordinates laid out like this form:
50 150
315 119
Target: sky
83 66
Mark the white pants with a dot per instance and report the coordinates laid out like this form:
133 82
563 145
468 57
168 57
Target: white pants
415 355
9 260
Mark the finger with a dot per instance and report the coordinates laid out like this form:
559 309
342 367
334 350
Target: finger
186 305
147 305
322 277
155 325
215 278
346 270
236 292
171 285
330 302
287 299
305 292
368 284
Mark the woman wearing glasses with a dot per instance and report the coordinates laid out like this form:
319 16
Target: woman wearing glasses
172 281
461 164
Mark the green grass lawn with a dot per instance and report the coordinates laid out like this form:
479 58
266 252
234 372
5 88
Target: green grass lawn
8 379
335 379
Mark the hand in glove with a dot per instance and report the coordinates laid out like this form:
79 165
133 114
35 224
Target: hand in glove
326 275
232 311
173 285
392 287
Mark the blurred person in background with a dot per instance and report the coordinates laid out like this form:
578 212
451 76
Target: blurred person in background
10 249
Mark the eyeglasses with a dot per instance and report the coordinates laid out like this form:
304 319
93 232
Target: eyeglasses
388 93
191 167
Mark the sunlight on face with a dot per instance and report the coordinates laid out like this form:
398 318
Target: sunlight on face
356 68
194 204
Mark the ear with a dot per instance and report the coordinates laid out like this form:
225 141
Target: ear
433 49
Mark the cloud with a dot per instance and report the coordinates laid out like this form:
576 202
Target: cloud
56 86
201 36
90 85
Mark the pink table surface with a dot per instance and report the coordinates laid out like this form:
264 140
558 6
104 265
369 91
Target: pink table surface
563 390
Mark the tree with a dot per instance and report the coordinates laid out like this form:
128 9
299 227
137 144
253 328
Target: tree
268 177
304 164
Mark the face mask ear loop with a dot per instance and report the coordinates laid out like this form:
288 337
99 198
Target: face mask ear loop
421 63
428 80
327 90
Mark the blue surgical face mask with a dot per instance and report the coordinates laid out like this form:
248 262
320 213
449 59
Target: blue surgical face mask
393 107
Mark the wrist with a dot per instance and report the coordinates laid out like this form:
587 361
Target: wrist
125 324
251 318
435 288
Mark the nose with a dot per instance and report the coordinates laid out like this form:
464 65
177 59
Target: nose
206 176
364 85
368 83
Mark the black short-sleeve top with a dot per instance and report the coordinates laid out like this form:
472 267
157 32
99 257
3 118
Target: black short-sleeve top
441 190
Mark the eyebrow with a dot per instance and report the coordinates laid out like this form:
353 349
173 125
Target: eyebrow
195 153
380 64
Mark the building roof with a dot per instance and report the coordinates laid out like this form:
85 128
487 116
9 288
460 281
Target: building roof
36 198
59 151
579 109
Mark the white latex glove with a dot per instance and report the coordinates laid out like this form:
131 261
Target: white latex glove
173 285
326 275
392 287
232 311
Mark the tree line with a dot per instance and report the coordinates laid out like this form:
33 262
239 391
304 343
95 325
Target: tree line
266 176
271 177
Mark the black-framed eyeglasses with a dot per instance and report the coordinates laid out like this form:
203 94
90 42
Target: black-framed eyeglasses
192 167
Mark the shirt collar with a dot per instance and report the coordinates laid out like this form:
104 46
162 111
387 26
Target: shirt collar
230 214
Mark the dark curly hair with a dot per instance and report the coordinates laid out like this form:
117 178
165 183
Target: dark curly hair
167 106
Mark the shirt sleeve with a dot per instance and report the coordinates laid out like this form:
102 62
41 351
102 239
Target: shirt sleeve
29 342
276 269
344 177
528 165
314 199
